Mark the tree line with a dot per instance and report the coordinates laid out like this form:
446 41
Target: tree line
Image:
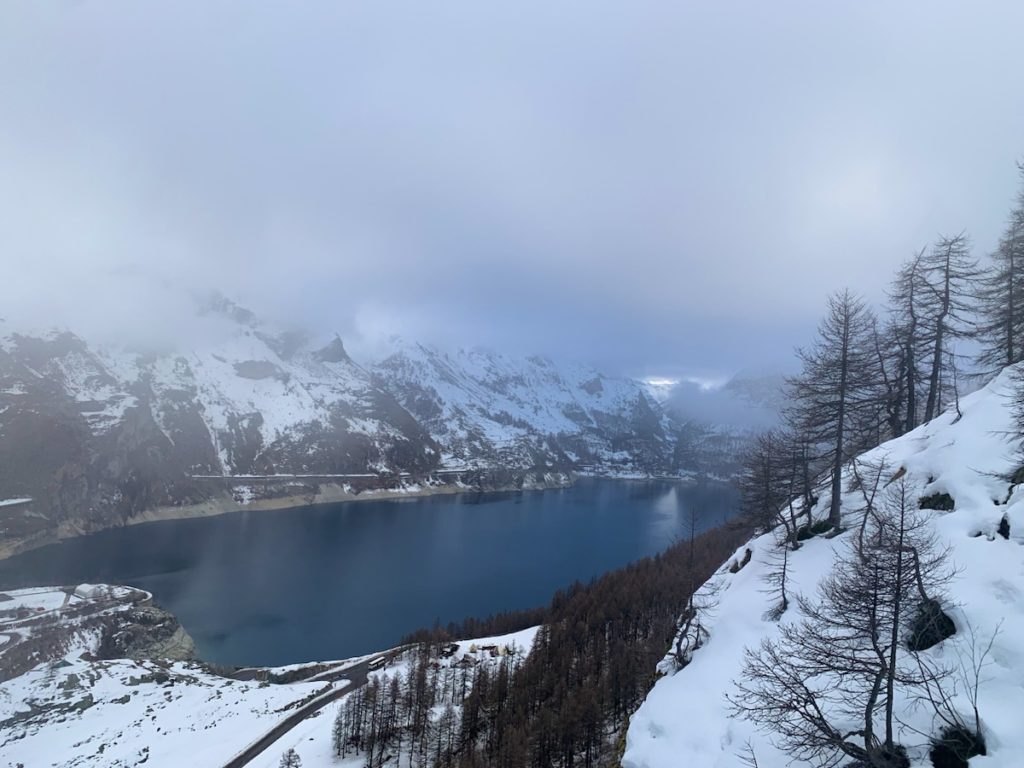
870 376
827 686
564 704
501 623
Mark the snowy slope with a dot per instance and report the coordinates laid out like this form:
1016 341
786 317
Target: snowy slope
312 739
74 710
684 720
126 713
245 391
68 699
258 390
65 701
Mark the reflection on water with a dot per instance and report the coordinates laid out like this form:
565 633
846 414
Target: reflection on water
345 579
668 522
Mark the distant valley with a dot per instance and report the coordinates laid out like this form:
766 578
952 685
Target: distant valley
94 436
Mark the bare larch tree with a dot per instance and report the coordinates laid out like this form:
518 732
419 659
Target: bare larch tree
827 687
836 393
1001 295
907 335
951 278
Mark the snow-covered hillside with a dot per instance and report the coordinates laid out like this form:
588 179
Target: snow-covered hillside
685 720
242 402
81 704
313 739
76 706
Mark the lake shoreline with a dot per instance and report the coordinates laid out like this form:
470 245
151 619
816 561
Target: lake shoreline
329 493
338 580
224 503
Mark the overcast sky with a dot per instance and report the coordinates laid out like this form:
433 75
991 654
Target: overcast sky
653 187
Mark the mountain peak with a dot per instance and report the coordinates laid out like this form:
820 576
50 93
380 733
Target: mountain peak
333 352
219 304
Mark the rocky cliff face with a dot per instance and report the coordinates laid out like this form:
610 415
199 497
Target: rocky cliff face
49 625
145 632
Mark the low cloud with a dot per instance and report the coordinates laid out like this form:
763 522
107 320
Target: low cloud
653 187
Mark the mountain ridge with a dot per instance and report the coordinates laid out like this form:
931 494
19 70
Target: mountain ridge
99 435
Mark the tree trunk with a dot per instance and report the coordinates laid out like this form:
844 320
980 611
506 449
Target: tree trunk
911 422
894 639
940 330
837 459
1011 310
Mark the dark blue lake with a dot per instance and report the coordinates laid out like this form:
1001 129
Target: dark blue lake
328 582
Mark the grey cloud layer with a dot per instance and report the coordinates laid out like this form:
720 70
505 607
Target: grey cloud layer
648 186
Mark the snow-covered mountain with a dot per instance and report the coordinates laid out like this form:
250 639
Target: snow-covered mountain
486 408
95 435
686 720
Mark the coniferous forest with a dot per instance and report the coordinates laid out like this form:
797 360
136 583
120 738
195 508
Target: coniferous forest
566 703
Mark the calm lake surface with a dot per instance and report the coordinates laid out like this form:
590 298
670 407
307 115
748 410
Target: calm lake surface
328 582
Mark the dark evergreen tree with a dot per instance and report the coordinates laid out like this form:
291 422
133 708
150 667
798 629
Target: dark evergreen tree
763 483
775 483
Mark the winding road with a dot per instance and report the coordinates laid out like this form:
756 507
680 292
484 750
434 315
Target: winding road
357 676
